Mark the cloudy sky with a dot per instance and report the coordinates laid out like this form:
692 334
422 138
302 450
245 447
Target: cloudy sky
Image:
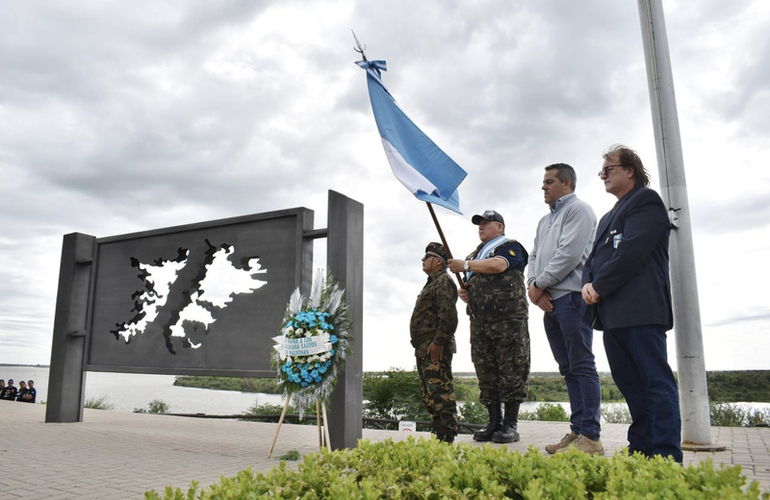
117 117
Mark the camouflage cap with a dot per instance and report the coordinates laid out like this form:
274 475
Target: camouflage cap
488 215
436 249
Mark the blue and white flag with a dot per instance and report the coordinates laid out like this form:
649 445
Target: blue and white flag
416 161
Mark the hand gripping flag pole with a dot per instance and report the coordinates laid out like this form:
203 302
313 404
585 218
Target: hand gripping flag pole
417 162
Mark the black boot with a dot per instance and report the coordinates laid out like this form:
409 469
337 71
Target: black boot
445 438
507 432
495 418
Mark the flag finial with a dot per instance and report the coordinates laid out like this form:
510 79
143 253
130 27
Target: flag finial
358 48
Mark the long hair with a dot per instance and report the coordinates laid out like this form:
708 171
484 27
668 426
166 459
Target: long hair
628 158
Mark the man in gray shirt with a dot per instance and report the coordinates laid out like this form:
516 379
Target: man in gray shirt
554 277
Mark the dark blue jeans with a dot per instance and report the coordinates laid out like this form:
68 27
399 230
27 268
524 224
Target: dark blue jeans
571 338
639 365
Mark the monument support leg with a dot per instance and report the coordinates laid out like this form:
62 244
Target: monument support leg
66 380
345 259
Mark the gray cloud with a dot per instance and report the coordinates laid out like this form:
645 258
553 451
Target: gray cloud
127 117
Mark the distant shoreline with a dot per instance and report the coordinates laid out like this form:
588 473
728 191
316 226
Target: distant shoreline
724 386
456 374
25 366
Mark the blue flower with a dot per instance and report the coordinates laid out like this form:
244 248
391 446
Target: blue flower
331 352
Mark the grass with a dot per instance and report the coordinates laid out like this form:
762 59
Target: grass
99 403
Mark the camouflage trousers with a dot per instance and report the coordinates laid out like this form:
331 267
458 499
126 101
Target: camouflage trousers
500 354
438 393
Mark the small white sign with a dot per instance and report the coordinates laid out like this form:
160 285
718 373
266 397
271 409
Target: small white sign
303 346
407 426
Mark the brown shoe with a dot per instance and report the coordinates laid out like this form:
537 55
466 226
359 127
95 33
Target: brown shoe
565 441
585 445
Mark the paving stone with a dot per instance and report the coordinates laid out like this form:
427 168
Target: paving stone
122 455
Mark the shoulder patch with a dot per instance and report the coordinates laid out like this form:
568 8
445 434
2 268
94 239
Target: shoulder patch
512 253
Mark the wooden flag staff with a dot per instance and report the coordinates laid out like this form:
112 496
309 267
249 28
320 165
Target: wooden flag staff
443 242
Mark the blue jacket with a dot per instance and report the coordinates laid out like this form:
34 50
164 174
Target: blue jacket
628 265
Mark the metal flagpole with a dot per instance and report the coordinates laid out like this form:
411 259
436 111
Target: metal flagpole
693 392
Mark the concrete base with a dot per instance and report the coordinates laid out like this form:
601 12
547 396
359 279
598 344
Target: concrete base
702 447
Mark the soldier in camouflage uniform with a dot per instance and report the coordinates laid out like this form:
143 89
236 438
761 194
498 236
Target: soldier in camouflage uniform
497 306
432 328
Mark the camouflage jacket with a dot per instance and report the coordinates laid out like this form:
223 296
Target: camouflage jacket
434 318
498 295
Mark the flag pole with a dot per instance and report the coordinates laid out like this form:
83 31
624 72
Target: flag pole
443 241
358 48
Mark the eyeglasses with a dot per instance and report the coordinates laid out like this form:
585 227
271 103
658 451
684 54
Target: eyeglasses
607 169
428 256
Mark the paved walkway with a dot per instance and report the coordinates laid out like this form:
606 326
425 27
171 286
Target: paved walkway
114 455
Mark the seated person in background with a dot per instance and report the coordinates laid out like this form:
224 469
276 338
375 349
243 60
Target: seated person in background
22 390
2 388
30 395
10 391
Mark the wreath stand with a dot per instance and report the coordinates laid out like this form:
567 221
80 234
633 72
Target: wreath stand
323 425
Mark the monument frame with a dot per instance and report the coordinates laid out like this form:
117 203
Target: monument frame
74 351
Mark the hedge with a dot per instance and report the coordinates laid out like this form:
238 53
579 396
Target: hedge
431 470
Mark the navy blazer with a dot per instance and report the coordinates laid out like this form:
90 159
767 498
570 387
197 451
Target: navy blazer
628 266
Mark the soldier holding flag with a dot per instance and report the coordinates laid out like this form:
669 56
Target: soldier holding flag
497 306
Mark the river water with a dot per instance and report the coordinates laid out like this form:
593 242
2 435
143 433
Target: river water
129 391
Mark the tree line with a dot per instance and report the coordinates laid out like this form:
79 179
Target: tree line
723 386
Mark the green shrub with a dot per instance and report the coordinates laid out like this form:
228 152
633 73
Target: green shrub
466 389
616 414
154 406
393 395
99 403
729 415
292 455
429 469
271 409
550 412
268 409
158 406
472 412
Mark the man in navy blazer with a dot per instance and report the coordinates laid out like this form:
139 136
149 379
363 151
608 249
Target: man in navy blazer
627 288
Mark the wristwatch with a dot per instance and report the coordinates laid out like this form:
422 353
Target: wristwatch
467 266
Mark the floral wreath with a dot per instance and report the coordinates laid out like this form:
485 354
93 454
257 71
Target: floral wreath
313 342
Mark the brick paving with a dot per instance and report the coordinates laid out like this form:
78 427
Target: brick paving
114 455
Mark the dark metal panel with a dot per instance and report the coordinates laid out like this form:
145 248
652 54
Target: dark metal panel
148 283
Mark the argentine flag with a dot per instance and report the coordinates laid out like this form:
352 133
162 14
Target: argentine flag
416 161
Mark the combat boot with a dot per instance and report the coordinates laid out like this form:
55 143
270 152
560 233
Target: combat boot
495 417
508 431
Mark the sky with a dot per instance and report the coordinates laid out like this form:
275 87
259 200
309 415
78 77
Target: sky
119 117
